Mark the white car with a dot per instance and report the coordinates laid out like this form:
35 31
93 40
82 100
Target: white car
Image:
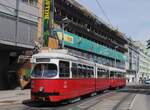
147 81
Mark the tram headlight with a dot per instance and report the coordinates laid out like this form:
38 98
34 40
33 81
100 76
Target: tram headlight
41 89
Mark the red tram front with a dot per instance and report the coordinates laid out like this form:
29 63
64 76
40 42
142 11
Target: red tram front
57 77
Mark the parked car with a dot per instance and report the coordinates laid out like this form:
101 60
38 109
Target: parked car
147 81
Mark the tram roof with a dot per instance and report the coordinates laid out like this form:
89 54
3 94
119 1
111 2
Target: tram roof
64 54
54 55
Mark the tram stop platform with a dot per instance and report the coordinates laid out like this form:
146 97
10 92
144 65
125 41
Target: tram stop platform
14 97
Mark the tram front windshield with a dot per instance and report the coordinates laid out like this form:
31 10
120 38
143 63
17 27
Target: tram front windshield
44 70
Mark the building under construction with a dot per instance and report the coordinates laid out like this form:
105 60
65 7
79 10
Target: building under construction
85 34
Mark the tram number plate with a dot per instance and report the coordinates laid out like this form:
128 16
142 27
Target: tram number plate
42 98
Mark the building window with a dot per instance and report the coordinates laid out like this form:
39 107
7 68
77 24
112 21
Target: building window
31 2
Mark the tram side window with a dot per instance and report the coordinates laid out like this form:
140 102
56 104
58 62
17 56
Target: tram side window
84 71
74 70
119 75
91 72
64 70
111 74
99 73
87 71
123 75
106 73
81 71
102 73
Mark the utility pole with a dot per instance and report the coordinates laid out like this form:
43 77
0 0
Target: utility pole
115 56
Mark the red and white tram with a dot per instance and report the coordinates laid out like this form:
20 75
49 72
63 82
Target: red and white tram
57 76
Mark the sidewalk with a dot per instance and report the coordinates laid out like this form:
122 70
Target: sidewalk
14 97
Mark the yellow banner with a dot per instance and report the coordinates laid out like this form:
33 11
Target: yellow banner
47 9
67 38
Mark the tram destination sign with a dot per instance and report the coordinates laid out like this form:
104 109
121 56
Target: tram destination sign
43 60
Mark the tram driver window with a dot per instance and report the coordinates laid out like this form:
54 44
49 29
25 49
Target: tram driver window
64 70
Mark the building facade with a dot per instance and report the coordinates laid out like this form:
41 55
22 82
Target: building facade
18 28
144 66
132 62
144 62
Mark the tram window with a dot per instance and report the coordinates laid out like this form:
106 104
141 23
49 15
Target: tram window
111 74
90 72
46 70
85 75
37 71
87 71
64 70
119 75
50 70
123 75
99 73
80 71
74 70
106 73
115 74
102 73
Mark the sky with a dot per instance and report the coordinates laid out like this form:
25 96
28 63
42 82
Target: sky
131 17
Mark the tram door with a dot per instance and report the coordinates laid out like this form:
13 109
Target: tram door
64 74
75 76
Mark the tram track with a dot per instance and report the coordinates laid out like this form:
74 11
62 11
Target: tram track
99 101
109 100
88 102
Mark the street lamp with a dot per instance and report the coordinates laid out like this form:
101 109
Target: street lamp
64 21
115 56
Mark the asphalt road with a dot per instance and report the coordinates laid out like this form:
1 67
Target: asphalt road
128 98
107 100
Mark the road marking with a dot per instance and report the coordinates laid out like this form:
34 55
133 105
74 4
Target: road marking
131 105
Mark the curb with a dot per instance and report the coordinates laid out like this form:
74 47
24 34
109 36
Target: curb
15 102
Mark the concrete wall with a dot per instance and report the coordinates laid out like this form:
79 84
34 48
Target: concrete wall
18 23
4 62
